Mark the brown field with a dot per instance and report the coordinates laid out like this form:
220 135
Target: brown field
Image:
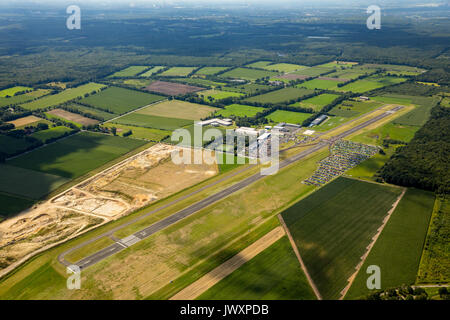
139 180
210 279
178 109
25 121
172 89
73 117
291 76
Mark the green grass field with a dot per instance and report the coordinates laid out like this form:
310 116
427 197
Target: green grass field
393 99
211 95
10 205
280 96
288 117
352 109
10 145
120 100
239 110
333 226
151 72
369 84
331 123
64 96
129 72
149 134
76 155
317 102
388 131
148 121
367 169
199 82
22 98
12 91
51 133
247 74
250 88
320 84
283 67
398 249
435 263
38 184
274 274
178 72
417 117
314 71
179 110
210 71
259 64
95 112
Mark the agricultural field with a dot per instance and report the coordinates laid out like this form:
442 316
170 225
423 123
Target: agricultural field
151 72
259 64
11 92
435 263
210 71
212 95
318 102
22 98
324 84
313 71
288 117
284 67
64 96
76 155
119 100
52 133
239 110
199 82
250 88
397 69
155 122
11 205
72 117
137 83
280 96
394 99
399 248
10 145
171 88
247 74
26 121
369 84
129 72
92 111
274 274
142 133
38 183
178 72
178 109
333 226
351 109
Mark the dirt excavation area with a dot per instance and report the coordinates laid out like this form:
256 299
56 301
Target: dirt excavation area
130 185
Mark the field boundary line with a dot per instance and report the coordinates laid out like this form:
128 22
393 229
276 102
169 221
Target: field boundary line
213 277
371 245
299 257
135 110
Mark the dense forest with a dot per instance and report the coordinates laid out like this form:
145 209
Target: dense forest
424 162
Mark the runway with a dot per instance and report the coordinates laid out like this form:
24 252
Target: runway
188 211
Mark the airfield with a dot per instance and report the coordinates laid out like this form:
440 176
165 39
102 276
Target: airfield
141 227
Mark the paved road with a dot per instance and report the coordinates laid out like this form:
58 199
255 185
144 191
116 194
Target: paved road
162 224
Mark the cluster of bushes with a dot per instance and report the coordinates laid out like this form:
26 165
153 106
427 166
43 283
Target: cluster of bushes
406 293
